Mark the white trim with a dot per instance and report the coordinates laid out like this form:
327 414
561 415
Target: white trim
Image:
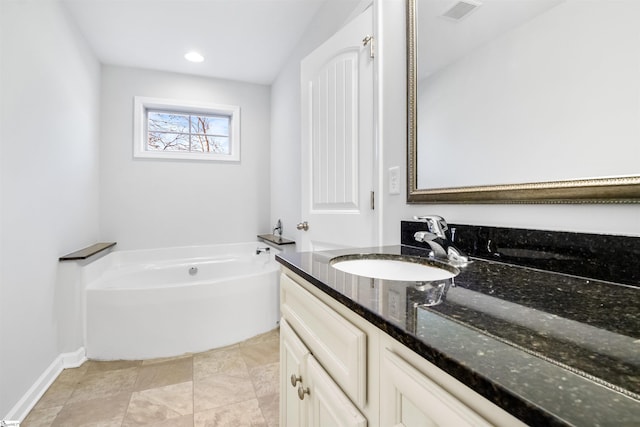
140 106
74 359
28 401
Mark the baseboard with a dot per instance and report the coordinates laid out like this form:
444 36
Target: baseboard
42 384
74 359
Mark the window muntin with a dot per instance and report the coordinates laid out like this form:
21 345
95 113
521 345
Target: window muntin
186 130
169 131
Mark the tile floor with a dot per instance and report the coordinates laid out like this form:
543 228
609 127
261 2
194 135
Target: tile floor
231 386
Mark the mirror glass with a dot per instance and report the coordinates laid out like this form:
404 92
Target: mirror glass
525 95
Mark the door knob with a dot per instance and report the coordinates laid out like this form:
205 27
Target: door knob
303 226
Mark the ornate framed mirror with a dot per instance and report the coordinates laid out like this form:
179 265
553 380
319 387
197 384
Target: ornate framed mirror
534 101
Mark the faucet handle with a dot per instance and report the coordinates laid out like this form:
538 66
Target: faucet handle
436 224
277 228
424 236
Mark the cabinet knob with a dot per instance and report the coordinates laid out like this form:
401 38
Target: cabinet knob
302 391
295 380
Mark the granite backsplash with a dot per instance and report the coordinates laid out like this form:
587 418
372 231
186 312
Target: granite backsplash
596 256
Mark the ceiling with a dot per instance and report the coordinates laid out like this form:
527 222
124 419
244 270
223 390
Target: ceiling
250 40
442 41
244 40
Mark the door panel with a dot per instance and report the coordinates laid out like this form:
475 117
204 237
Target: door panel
334 167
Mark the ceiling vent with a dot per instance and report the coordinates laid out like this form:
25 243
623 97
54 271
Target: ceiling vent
461 9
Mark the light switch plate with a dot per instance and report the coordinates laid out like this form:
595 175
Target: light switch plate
394 304
394 180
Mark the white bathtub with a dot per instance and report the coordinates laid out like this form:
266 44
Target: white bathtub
153 303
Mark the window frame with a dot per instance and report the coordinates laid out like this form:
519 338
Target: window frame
142 105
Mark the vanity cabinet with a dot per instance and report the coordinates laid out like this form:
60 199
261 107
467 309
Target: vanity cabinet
350 373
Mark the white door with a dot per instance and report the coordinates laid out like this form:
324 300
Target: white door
338 140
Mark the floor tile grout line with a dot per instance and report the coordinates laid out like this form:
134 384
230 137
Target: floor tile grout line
193 391
124 416
255 393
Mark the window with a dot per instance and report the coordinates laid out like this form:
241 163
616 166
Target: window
170 129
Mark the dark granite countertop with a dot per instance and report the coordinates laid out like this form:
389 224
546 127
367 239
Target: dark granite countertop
550 348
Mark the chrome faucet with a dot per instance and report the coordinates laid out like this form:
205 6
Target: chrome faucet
436 238
278 228
259 250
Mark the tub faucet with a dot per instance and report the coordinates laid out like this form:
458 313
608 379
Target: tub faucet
436 238
278 228
259 250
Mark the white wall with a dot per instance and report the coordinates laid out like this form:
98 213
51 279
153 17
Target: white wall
49 182
146 203
285 110
606 219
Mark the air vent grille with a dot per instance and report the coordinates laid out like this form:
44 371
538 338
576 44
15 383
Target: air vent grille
461 9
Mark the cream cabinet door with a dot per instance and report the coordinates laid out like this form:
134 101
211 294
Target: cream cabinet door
293 355
408 398
308 395
329 406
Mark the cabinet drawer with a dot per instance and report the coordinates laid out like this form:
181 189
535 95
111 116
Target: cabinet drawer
337 344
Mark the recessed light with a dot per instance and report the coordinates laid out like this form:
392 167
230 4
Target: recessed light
194 57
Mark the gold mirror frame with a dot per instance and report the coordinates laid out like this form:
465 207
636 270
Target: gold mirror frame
596 190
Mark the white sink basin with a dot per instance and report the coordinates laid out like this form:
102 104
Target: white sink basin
391 267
